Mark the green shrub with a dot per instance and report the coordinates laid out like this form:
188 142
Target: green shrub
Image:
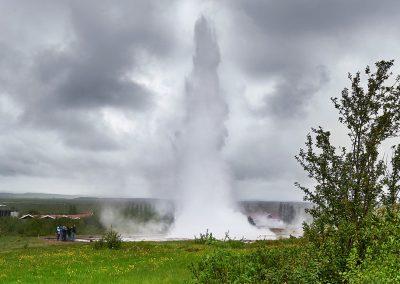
381 263
111 240
377 269
290 264
232 243
221 267
99 244
207 238
352 183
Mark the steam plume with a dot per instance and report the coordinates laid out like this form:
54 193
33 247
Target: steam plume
206 200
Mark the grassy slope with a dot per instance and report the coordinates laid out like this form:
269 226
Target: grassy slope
29 260
79 263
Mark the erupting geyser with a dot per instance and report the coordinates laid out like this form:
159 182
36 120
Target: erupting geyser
206 200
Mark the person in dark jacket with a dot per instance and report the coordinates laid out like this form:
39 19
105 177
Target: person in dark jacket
73 233
58 233
68 233
64 233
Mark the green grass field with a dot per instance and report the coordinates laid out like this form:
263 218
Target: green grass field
33 260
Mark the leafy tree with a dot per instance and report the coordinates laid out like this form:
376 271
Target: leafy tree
352 182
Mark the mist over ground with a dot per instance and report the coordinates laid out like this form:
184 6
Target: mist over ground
154 219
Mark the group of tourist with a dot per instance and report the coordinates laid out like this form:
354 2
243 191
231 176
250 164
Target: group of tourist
65 233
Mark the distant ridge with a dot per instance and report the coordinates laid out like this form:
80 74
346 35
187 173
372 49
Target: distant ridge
33 195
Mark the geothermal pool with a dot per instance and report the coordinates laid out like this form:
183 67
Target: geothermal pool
268 220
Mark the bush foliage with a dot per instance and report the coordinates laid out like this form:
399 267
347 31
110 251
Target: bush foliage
354 234
111 240
282 264
353 183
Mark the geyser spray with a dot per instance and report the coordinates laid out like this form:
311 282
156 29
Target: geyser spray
204 181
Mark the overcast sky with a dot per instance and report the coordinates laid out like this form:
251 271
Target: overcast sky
91 92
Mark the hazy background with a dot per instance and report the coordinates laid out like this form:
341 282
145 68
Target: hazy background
91 92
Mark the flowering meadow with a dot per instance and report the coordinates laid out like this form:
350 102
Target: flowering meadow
33 260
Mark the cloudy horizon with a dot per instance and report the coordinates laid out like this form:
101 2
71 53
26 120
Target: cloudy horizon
91 92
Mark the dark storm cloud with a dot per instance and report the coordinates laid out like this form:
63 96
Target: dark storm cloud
20 159
290 40
93 71
61 64
292 93
71 83
314 17
86 81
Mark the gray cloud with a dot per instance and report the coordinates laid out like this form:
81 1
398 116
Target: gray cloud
94 70
313 17
61 66
293 92
296 49
91 92
290 40
69 84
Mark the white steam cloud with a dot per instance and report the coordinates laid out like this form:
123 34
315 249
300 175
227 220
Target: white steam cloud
205 200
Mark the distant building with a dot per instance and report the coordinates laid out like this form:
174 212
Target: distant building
27 216
5 213
58 216
69 216
47 217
